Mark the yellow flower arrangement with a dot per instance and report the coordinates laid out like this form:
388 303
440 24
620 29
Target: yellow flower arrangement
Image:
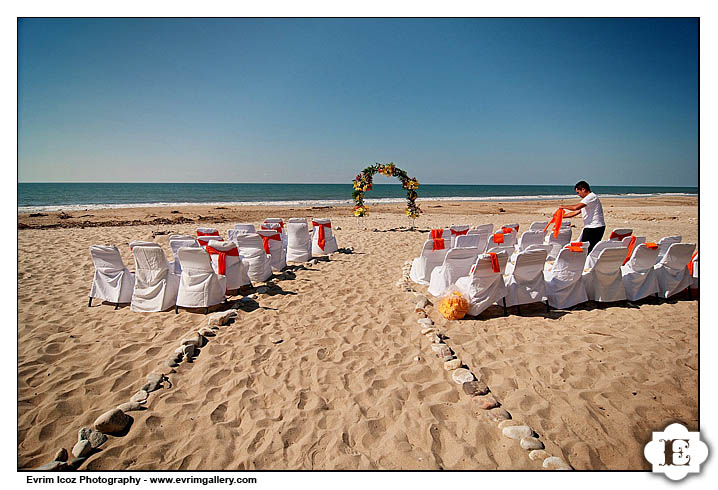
453 306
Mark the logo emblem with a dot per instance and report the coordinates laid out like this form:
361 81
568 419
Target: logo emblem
676 452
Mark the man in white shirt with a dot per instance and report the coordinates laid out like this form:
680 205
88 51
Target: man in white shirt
592 213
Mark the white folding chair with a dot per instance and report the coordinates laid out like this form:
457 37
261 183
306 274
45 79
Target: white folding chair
557 243
175 245
672 270
529 238
457 263
299 244
457 231
199 286
538 225
323 239
592 257
604 281
252 251
639 276
112 281
620 233
142 243
664 243
525 281
272 242
487 228
468 241
483 238
155 286
227 262
428 260
564 285
484 285
276 224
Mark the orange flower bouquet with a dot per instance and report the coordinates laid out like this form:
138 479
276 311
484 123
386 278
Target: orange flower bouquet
453 306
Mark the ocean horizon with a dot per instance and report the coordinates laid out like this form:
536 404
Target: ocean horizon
37 197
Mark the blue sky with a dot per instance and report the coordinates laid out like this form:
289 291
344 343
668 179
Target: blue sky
478 101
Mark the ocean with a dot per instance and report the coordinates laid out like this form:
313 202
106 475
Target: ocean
36 197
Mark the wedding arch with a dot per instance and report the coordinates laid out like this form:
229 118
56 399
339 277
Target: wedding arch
363 183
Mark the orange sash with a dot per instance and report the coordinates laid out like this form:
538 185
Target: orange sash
436 237
201 233
556 220
498 238
575 247
265 241
631 245
690 263
651 245
272 226
459 233
619 236
494 262
222 259
320 240
508 229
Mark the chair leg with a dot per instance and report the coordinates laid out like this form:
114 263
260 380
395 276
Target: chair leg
690 296
117 305
206 310
176 310
505 312
518 309
548 308
89 303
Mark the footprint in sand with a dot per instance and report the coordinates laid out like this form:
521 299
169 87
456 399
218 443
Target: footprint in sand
218 413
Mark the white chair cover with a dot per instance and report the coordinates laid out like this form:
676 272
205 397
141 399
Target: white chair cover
205 239
600 247
639 277
182 237
483 287
252 251
175 245
142 243
664 243
112 281
672 270
276 224
200 286
525 282
330 241
236 270
155 286
299 244
469 241
564 285
207 232
530 238
509 239
245 228
620 233
277 254
483 238
454 231
428 260
564 238
487 228
297 220
538 225
604 281
457 263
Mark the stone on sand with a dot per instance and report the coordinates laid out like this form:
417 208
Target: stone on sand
96 439
221 317
554 463
538 454
485 402
475 388
130 406
517 431
112 421
82 448
61 454
461 376
452 364
530 443
498 414
425 321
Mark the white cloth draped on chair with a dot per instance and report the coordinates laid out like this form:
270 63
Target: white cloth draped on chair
299 243
428 260
639 276
538 226
227 262
112 281
664 243
142 243
487 228
245 228
155 286
564 284
530 238
457 231
672 270
457 263
557 243
468 241
525 281
251 249
272 242
604 281
484 285
323 239
175 245
200 286
207 232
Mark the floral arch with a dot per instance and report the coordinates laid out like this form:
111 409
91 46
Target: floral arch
363 183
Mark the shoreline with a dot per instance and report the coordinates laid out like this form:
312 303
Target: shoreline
212 213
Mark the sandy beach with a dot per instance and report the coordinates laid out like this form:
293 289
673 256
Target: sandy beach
352 384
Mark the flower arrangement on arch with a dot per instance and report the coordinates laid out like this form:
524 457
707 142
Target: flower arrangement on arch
363 183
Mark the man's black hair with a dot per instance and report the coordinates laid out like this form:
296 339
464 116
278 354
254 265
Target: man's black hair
583 185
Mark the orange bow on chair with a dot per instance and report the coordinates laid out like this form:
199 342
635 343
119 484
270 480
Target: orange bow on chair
556 220
575 247
265 241
436 236
459 232
631 246
498 238
320 240
222 259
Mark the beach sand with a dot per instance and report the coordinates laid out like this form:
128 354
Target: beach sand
353 384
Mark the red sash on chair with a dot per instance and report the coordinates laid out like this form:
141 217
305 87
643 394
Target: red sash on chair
204 240
222 259
631 246
320 240
270 226
201 233
619 236
556 220
459 232
690 263
265 241
575 246
495 267
651 245
508 229
498 238
436 237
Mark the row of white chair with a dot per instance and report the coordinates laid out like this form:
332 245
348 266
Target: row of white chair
488 278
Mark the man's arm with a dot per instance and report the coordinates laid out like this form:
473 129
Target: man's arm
575 207
571 215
